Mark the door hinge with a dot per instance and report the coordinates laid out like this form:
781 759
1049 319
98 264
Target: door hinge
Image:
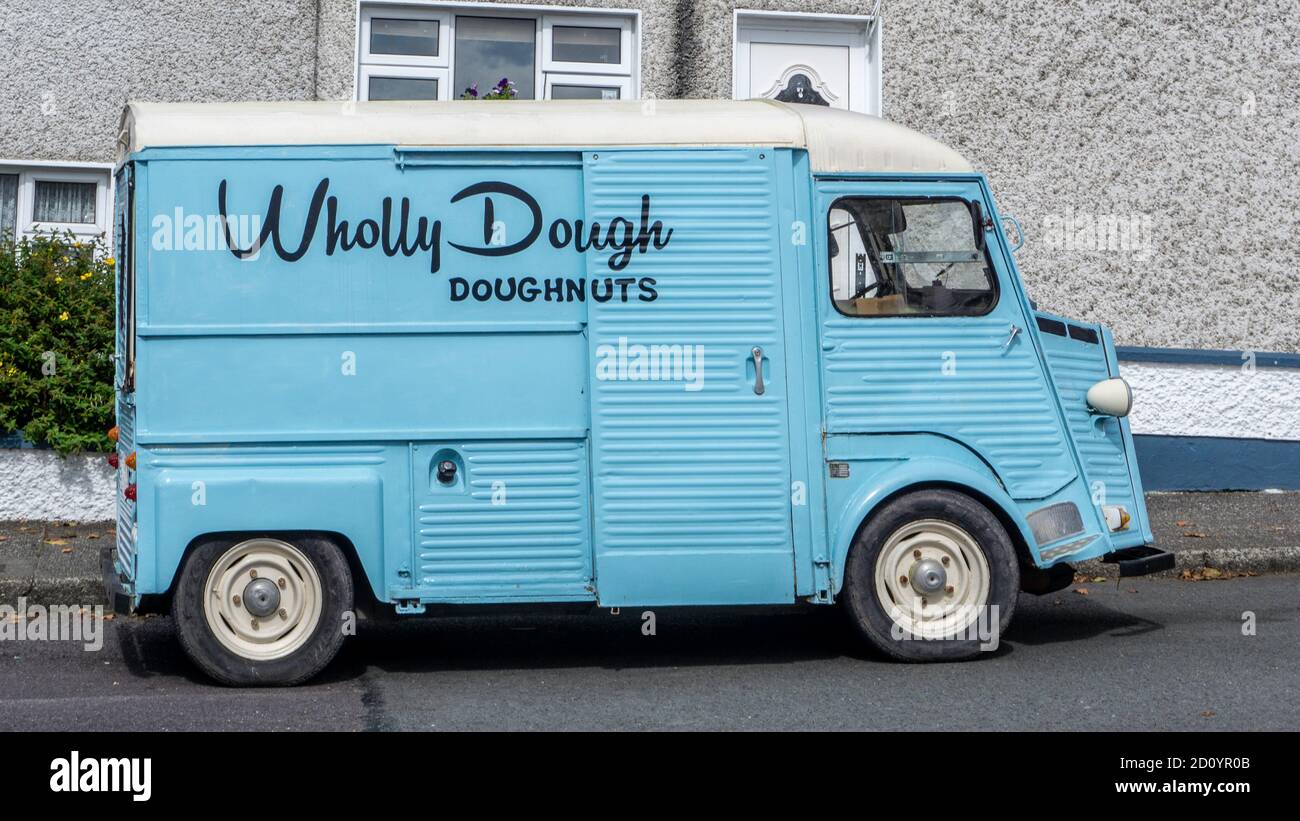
822 579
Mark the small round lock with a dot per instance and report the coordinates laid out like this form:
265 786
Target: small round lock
446 473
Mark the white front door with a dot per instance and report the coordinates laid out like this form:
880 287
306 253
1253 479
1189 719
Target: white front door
812 60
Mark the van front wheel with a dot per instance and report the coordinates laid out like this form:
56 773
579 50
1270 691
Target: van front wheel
263 611
933 576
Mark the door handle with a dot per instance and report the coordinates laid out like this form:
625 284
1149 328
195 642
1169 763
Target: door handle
757 353
1015 329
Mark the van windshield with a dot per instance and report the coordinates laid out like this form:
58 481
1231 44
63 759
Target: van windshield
922 256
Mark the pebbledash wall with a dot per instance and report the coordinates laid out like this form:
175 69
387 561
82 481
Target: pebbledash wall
1149 150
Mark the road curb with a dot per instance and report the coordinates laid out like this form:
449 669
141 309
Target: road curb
1229 560
53 563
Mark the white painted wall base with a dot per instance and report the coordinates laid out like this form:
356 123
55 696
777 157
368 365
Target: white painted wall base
1214 400
41 485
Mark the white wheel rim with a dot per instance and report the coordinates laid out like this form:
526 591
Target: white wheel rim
913 559
242 618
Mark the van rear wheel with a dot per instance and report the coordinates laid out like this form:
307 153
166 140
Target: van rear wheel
932 576
263 610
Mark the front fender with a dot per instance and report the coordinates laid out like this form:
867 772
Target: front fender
884 466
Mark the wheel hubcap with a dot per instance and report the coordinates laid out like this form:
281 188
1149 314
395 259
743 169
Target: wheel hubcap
926 576
263 599
932 578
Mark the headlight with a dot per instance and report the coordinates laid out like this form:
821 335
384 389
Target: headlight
1113 397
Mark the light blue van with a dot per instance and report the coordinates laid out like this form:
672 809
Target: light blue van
394 357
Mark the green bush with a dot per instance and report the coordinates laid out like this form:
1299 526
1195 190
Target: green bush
56 342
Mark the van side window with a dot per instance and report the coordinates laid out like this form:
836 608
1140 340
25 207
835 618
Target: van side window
920 256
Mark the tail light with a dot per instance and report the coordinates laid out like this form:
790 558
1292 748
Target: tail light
130 491
113 460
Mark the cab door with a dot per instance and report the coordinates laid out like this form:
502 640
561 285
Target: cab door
923 330
689 424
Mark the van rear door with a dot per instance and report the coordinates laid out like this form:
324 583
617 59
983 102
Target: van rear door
124 374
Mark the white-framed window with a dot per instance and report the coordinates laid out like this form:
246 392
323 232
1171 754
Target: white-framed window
587 87
403 83
45 197
575 44
404 36
431 50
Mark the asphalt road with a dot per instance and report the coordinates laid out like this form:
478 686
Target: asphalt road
1146 654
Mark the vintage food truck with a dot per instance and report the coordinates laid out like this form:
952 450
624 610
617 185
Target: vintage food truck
404 356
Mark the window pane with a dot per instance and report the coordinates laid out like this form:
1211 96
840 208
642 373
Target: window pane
568 92
64 202
908 256
8 204
418 37
582 44
489 49
402 88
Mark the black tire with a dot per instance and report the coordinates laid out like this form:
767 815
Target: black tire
869 615
226 666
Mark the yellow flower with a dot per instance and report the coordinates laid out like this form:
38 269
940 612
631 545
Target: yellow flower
58 279
85 276
12 370
110 262
63 316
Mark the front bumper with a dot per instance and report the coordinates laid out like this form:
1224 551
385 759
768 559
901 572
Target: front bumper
120 600
1141 560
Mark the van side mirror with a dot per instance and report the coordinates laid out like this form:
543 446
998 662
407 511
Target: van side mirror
1020 233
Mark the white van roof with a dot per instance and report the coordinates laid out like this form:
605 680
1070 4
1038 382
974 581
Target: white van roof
837 141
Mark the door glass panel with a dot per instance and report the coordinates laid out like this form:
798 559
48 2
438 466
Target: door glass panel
586 44
490 49
402 88
8 205
66 202
921 256
573 92
415 37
